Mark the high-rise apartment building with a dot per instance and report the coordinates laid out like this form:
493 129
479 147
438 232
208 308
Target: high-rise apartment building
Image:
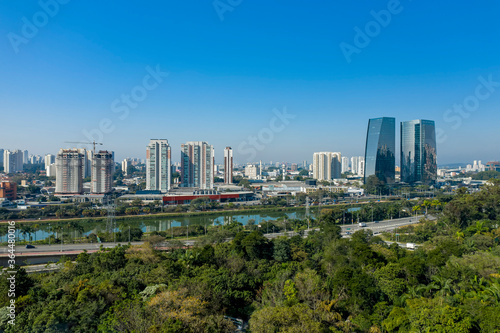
125 164
197 159
1 155
26 157
49 159
50 170
345 164
12 161
158 162
87 162
418 151
326 165
228 165
380 149
102 172
361 166
50 166
251 171
69 172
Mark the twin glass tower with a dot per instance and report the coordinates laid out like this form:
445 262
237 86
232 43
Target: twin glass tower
418 151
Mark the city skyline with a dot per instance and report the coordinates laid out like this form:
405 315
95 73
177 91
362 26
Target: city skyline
77 71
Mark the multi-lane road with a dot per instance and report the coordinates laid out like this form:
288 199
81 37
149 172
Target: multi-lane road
382 226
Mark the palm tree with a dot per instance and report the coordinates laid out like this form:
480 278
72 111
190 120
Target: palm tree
416 208
480 228
493 292
77 227
59 229
436 203
26 230
425 205
36 227
445 286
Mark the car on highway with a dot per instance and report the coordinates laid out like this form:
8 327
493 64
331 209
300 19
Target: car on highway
29 246
362 225
376 221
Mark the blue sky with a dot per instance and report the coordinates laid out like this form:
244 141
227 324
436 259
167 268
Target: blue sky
225 77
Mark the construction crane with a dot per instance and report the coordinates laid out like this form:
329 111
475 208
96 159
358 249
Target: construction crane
87 143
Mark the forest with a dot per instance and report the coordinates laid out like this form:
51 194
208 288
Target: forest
319 283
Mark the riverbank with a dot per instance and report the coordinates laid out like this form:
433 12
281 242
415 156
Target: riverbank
185 214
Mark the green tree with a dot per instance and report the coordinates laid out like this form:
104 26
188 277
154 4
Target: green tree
282 249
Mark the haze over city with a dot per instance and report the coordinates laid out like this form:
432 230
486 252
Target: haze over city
220 74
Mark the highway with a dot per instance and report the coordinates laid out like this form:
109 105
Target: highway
386 225
382 226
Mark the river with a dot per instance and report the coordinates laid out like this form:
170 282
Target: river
148 224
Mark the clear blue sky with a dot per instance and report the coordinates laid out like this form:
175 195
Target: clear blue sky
227 76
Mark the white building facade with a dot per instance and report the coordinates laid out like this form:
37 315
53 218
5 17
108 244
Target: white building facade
327 165
102 172
69 172
197 160
228 165
158 162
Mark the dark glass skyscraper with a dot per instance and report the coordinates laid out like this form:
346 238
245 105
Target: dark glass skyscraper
380 149
418 151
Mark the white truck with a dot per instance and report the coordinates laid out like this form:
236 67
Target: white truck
411 246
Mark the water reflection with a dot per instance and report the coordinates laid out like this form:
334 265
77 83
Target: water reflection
32 231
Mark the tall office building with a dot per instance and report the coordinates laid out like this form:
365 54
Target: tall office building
380 149
26 157
197 159
418 151
158 161
1 155
102 172
326 165
228 165
69 172
12 161
345 164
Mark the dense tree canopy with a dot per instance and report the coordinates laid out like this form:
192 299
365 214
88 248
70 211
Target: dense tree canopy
319 283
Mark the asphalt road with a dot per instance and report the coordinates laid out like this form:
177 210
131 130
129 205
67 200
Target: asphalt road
382 226
386 225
